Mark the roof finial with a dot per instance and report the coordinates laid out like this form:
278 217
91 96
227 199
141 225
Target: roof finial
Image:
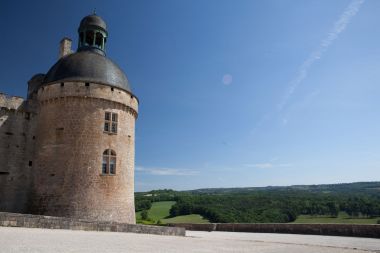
94 11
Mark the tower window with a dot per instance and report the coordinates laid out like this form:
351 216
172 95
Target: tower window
110 122
98 40
109 162
89 38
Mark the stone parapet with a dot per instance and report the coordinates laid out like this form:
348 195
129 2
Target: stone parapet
87 90
356 230
51 222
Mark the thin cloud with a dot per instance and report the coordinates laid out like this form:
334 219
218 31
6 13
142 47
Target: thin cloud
267 165
166 171
339 26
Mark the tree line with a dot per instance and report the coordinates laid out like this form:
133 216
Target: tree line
272 205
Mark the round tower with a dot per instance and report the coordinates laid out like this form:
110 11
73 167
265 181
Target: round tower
85 140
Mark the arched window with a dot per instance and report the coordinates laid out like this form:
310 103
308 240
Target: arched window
109 162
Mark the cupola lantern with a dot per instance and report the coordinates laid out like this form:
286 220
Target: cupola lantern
92 34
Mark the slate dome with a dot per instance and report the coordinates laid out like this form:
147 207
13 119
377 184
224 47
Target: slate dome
89 63
87 66
94 21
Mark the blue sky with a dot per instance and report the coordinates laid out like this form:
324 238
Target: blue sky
232 93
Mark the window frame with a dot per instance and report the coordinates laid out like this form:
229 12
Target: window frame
111 120
108 159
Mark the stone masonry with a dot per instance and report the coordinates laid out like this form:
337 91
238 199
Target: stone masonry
52 143
69 152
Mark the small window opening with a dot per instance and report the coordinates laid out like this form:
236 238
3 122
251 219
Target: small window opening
30 163
109 162
112 165
114 117
89 38
111 88
106 127
62 84
87 84
114 128
110 122
34 137
4 173
98 40
27 115
104 165
107 116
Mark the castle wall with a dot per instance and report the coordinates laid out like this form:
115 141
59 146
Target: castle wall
17 126
70 144
79 89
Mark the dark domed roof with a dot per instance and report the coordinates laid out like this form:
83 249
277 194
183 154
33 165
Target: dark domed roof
93 20
87 66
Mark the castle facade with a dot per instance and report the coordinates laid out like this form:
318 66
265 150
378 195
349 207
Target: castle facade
68 149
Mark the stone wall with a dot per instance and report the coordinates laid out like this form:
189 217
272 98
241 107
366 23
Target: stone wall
68 180
356 230
17 139
38 221
93 90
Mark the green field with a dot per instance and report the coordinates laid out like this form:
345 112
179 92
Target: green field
191 218
160 210
343 218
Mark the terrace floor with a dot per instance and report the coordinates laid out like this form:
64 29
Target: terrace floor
16 239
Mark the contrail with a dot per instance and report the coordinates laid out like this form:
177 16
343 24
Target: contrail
339 26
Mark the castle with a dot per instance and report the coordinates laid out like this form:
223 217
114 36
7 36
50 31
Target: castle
68 148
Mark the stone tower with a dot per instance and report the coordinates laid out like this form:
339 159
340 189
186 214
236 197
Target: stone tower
83 164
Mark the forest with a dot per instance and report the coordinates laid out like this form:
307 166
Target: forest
269 204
